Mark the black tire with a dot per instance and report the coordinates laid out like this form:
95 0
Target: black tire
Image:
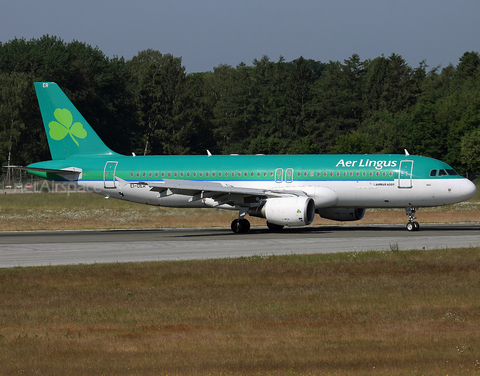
235 226
240 226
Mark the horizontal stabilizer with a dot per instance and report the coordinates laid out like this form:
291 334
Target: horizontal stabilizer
69 173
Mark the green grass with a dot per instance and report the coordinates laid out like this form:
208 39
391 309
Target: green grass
386 313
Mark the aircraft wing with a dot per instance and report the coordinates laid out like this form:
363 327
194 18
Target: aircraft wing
221 192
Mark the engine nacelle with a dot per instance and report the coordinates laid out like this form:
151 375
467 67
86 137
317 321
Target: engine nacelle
287 211
342 214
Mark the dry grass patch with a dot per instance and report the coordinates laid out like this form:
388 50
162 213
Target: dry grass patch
61 211
392 313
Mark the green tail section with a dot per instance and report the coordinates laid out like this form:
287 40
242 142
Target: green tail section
68 133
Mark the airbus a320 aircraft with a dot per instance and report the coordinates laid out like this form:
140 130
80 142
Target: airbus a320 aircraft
286 190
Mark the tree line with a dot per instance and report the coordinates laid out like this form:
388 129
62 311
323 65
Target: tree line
150 105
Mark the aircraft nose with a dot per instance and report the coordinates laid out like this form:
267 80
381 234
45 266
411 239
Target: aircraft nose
467 189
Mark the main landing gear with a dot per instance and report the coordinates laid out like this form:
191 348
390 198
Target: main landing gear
240 226
412 225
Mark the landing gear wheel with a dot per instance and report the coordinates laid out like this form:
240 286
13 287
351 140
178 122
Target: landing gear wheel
240 226
413 226
274 227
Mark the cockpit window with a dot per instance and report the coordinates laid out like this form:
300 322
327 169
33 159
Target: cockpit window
442 172
433 173
452 172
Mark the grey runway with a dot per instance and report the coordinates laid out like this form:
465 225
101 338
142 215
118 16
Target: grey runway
110 246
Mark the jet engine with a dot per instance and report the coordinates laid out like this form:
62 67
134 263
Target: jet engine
286 211
342 214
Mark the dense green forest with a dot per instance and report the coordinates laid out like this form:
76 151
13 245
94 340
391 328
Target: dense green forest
150 105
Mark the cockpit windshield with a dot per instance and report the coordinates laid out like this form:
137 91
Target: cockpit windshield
444 172
452 172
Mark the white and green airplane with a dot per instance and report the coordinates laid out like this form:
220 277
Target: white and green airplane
286 190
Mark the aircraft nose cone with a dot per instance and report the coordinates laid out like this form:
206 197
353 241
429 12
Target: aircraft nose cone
468 189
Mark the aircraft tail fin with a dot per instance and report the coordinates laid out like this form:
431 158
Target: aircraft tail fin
68 133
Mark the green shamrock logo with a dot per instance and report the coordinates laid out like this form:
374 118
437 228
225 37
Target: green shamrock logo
60 129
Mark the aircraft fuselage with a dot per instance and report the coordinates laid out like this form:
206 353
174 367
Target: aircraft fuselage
370 181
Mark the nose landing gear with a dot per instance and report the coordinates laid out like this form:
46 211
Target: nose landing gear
412 225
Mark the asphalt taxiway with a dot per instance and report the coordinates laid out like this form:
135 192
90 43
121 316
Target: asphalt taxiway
107 246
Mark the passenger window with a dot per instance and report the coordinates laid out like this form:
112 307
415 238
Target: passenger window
433 173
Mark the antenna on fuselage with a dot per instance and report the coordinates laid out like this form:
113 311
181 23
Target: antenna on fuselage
406 152
208 153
